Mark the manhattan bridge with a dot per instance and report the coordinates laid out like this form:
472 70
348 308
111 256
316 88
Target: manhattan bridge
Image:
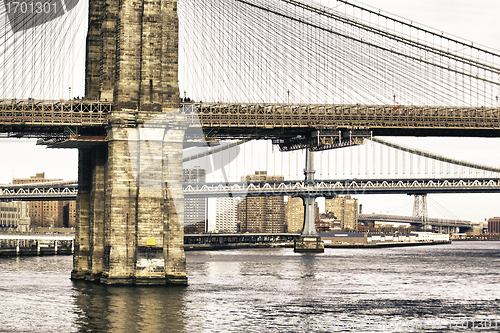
158 74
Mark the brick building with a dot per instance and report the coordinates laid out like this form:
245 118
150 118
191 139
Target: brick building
494 225
345 209
295 214
262 214
226 215
49 213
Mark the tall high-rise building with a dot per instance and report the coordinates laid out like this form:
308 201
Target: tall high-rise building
262 214
295 214
49 213
226 215
345 210
494 225
68 209
195 209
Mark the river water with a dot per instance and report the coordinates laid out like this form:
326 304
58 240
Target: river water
443 288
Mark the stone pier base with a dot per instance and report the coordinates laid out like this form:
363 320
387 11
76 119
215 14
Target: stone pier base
309 244
130 208
173 280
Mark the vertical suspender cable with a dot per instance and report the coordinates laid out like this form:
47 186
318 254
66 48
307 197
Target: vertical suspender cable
388 161
267 154
359 160
336 164
411 165
281 158
381 157
244 150
343 161
328 165
403 157
351 156
297 164
396 156
373 158
419 160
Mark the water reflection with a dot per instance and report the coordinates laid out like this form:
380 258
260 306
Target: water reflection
215 269
129 308
264 290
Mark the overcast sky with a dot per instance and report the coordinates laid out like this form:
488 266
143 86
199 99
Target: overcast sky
477 21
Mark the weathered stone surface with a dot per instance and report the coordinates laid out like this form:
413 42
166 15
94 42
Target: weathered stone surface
309 244
93 50
175 261
108 45
82 232
130 211
89 237
97 205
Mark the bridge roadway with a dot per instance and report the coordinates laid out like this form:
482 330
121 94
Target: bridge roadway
270 121
68 190
371 218
332 188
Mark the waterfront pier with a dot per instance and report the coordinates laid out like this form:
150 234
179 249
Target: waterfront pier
36 244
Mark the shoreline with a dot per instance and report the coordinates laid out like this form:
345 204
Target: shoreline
215 247
9 252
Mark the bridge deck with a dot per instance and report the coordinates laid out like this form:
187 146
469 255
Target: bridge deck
322 188
260 120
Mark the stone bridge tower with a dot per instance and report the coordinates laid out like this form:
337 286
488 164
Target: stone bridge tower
130 201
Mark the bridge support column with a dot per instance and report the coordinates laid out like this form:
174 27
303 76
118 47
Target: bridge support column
89 235
130 203
130 208
130 212
309 240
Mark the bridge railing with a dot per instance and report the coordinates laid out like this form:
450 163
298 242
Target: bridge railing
31 112
373 116
321 188
264 116
343 187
